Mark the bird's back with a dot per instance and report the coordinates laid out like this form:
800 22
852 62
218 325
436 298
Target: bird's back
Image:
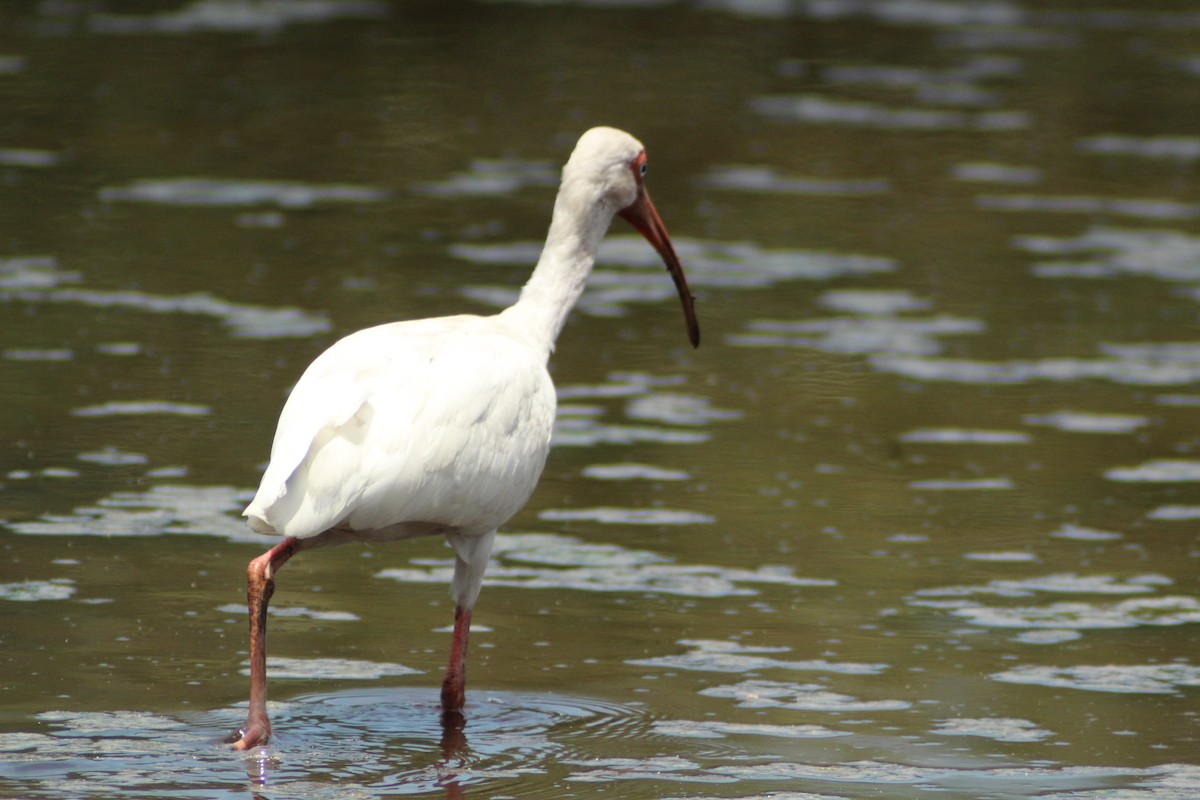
443 422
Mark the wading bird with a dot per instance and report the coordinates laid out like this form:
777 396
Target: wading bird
440 426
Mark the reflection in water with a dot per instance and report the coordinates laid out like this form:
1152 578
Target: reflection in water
454 754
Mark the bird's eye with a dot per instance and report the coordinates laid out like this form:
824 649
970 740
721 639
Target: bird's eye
642 169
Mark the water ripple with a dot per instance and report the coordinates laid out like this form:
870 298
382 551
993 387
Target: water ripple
628 472
880 302
715 729
872 335
1147 369
1138 207
1061 582
626 516
963 436
962 484
170 509
121 408
583 431
989 172
34 591
820 110
35 354
1007 38
1157 611
1159 471
336 669
492 177
33 272
233 192
1167 255
236 16
602 568
277 610
891 76
657 768
373 742
629 271
112 457
1119 678
1082 534
708 655
766 179
244 321
677 409
798 696
1175 513
23 157
1175 148
1088 422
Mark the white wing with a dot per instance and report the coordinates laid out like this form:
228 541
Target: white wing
443 421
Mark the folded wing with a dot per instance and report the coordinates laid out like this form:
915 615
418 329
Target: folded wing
440 422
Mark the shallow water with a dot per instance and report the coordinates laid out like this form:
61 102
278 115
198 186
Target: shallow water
916 520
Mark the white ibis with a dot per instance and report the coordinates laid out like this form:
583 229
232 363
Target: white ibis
440 426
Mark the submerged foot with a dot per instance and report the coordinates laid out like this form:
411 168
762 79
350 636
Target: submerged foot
249 735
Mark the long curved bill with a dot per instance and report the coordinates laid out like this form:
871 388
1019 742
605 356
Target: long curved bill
643 216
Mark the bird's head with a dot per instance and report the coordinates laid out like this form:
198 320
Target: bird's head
611 164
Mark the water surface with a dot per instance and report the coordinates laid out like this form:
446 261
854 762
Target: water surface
916 520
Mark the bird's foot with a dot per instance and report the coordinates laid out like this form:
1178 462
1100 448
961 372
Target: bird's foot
249 735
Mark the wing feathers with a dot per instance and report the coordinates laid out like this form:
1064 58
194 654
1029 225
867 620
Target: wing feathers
444 423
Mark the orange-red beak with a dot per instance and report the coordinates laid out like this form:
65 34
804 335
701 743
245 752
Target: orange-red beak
642 215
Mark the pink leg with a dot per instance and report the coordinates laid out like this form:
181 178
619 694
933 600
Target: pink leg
260 585
454 687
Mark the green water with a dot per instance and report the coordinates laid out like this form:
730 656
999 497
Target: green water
918 518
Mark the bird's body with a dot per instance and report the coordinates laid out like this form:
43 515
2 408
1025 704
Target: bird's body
408 429
440 426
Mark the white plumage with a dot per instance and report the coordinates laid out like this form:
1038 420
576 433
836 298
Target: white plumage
440 426
440 422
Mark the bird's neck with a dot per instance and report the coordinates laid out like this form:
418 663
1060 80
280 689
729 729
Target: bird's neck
579 223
